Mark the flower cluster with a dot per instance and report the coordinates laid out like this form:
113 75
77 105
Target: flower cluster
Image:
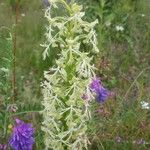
101 92
22 136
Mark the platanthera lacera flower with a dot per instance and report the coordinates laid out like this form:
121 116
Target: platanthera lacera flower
22 136
66 93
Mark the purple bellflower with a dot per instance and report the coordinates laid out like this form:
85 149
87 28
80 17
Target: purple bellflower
101 92
22 136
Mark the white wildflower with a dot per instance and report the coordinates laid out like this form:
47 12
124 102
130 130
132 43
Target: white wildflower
142 15
23 15
119 28
145 105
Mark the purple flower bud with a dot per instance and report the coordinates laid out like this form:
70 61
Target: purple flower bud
95 85
102 94
22 136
